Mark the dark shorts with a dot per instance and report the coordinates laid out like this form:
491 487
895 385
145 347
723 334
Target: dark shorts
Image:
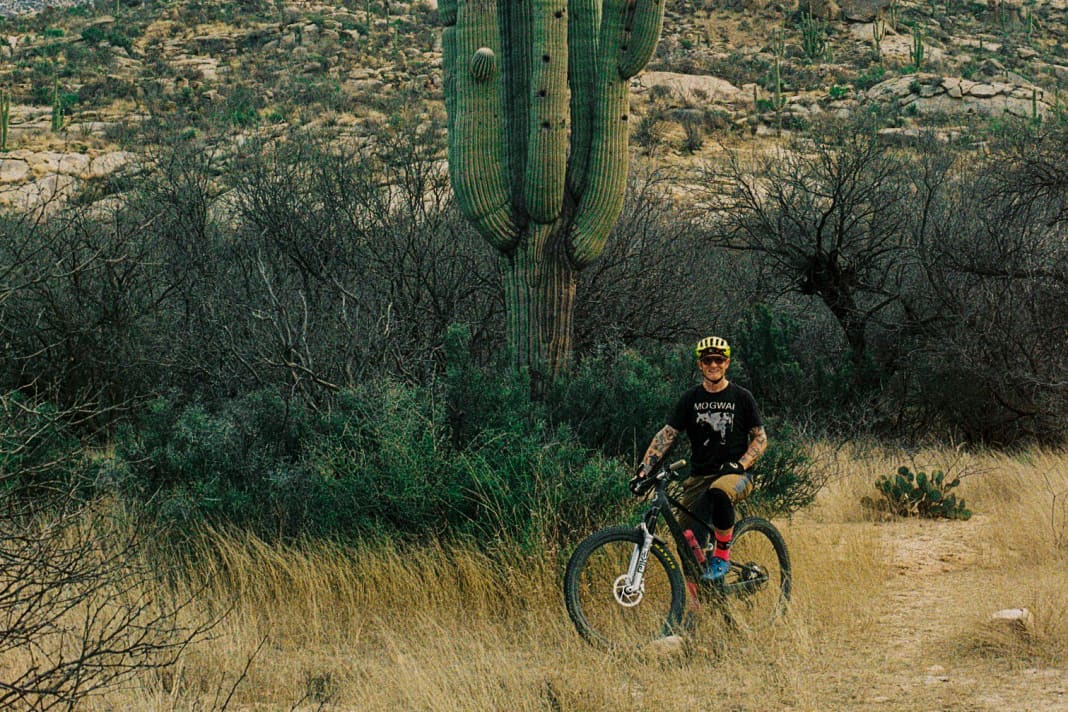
694 487
728 484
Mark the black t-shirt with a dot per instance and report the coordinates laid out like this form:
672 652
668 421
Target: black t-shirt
717 424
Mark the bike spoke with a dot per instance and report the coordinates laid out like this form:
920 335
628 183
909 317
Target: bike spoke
757 587
616 612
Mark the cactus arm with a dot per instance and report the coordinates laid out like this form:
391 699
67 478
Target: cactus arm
584 21
547 138
476 164
515 18
447 10
602 201
646 18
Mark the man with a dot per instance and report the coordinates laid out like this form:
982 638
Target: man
727 437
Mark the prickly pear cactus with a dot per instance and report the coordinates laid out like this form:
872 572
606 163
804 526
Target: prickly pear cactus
537 95
921 495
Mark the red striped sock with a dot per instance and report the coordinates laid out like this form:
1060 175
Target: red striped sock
723 546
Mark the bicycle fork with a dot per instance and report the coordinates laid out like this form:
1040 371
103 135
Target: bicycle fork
629 588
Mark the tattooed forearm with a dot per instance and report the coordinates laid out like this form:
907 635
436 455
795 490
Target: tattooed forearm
758 442
661 443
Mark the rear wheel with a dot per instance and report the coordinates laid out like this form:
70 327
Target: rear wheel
606 609
756 590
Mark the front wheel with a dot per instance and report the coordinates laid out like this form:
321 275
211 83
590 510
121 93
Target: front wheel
606 608
757 587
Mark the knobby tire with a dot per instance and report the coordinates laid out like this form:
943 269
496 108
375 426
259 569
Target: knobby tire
589 593
757 547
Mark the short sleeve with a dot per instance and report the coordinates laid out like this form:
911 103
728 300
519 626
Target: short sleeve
678 418
756 420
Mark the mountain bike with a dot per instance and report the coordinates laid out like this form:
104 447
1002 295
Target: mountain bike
625 586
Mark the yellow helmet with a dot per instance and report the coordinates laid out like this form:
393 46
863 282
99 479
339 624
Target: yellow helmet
712 343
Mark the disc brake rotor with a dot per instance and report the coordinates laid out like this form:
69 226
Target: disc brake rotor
627 596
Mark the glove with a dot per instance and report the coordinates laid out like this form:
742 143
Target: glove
640 485
730 468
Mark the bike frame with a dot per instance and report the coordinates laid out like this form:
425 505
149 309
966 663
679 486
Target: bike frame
661 507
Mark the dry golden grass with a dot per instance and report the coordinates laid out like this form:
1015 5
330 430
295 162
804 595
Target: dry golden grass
889 615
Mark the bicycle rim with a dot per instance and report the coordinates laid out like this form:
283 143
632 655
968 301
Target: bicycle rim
604 612
758 584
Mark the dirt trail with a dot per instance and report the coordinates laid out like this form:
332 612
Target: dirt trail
937 592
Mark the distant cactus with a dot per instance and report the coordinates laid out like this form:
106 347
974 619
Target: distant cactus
878 32
57 108
813 36
919 495
917 47
5 117
537 95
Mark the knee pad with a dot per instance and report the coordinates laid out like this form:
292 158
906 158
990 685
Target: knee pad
722 509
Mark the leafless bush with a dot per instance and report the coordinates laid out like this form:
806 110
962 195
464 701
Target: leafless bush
656 281
355 260
84 601
826 216
995 264
81 608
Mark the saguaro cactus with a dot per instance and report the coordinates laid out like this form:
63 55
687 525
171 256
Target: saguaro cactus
537 98
5 117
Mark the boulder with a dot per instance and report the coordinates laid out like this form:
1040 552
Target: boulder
825 9
929 94
1018 620
13 170
862 10
108 163
693 88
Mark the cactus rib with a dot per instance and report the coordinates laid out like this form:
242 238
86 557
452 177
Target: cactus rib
538 141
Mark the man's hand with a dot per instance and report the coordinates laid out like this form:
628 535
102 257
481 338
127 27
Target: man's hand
730 468
643 471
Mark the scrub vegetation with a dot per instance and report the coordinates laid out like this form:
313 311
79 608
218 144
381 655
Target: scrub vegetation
262 444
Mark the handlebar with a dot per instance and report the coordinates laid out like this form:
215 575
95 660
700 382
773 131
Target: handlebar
640 485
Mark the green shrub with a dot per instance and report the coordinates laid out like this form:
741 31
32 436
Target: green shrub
615 400
221 464
94 34
872 76
838 92
786 478
380 460
918 495
241 107
479 399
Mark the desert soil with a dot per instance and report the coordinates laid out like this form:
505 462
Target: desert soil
939 589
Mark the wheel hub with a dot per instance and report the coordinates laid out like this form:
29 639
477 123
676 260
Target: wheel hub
627 595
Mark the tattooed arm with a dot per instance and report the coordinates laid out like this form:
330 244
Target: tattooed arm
758 442
661 443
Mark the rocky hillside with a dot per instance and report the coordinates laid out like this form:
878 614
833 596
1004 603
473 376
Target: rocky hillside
89 87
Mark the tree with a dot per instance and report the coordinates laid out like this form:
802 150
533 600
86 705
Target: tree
85 603
992 355
354 260
828 215
545 203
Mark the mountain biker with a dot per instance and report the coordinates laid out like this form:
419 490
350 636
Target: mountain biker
726 433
